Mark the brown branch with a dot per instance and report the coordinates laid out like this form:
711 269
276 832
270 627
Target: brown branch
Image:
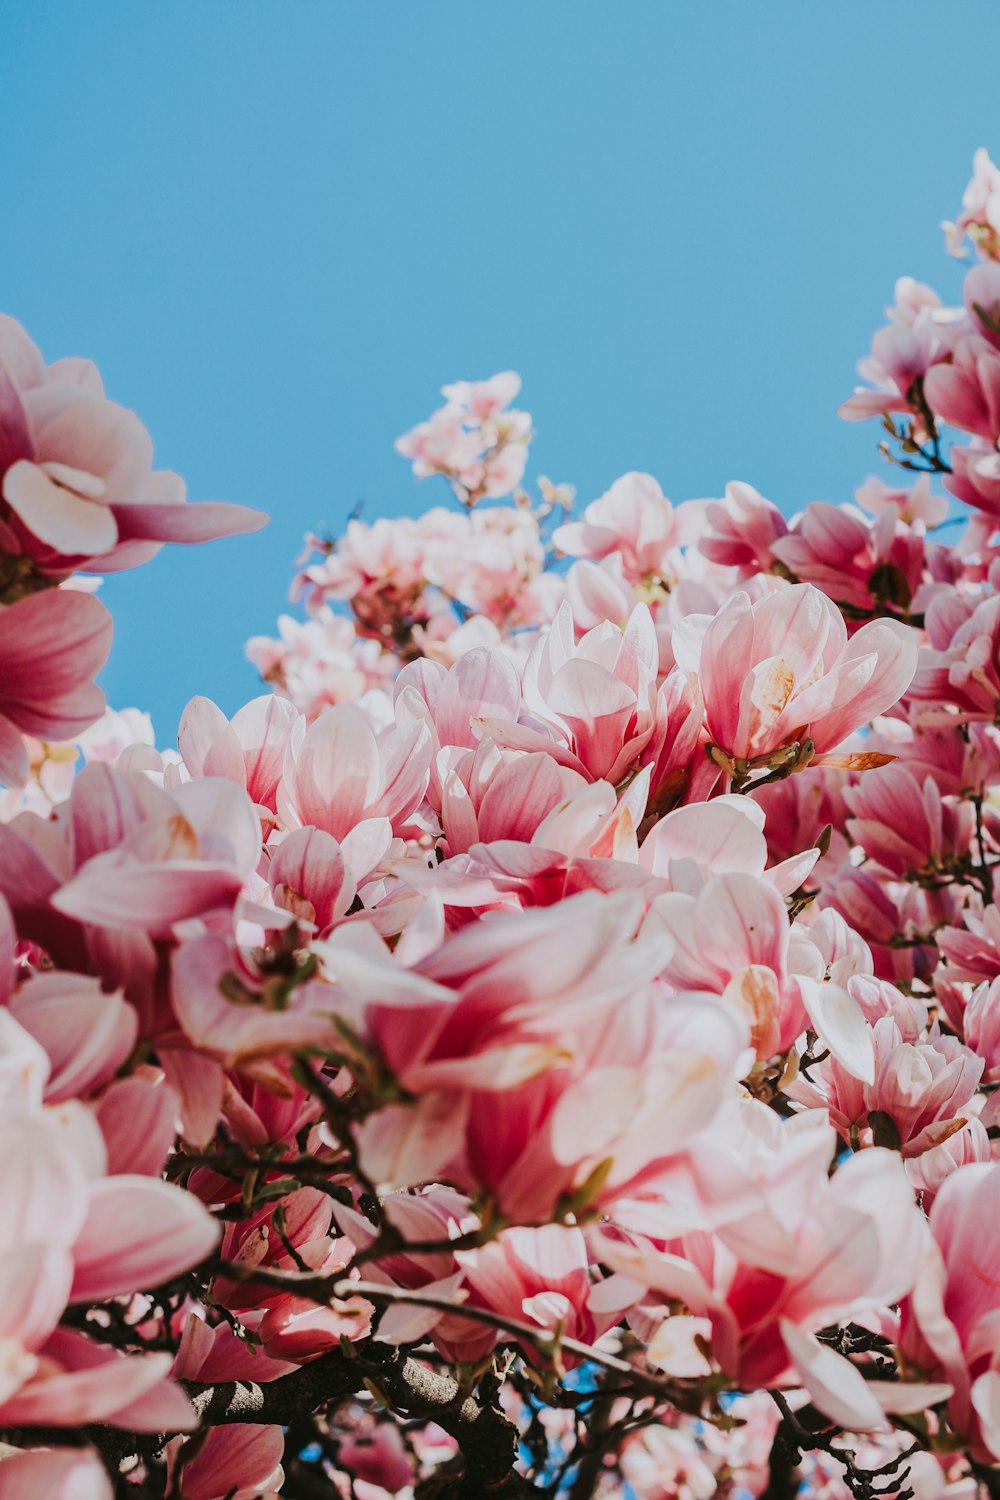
487 1440
324 1380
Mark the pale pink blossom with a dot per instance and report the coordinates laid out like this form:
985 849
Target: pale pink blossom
589 703
321 661
355 783
477 440
981 1027
966 392
874 566
76 471
781 672
980 216
86 1032
731 938
250 749
741 530
851 1242
480 1020
542 1277
919 334
636 520
377 1456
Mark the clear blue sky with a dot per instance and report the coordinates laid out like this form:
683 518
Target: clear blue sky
279 226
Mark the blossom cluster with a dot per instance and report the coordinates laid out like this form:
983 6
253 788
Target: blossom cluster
552 1037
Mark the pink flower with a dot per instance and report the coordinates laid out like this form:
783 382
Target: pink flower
917 337
433 1214
962 668
147 859
238 1015
477 441
907 827
320 661
966 392
666 1463
981 1027
732 939
483 399
591 699
921 1087
249 750
980 216
742 530
86 1033
723 837
75 471
780 672
358 784
843 1244
293 1327
521 1087
975 476
215 1352
488 796
138 1119
310 878
376 1456
981 295
931 1170
542 1277
483 684
872 565
635 520
77 1236
492 562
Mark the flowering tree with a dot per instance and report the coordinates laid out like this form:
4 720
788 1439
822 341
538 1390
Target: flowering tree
549 1043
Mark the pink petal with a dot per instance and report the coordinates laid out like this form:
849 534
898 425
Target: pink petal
190 521
14 762
836 1386
54 1474
15 430
149 897
840 1024
139 1232
59 515
49 644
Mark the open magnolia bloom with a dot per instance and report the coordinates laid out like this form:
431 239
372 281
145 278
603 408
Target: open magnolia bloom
549 1043
784 685
76 471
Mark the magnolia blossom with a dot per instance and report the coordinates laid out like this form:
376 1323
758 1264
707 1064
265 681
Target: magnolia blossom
76 470
592 699
758 1298
980 216
475 440
636 521
781 681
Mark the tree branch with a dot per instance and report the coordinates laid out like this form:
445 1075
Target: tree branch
487 1440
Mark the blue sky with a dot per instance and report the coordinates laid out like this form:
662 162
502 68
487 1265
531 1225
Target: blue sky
280 228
